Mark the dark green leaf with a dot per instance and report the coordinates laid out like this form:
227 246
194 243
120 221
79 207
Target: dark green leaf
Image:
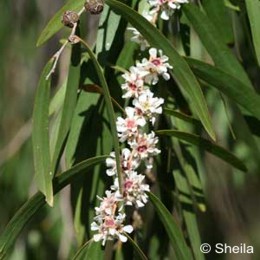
253 10
109 106
206 145
219 15
227 84
40 136
90 251
173 230
209 35
137 248
182 116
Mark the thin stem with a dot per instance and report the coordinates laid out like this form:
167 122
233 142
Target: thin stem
56 56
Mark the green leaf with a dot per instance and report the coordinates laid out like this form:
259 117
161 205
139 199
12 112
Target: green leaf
69 102
175 235
182 73
40 136
219 15
58 99
206 145
34 204
253 11
182 116
189 213
90 251
227 84
136 247
209 35
109 106
55 24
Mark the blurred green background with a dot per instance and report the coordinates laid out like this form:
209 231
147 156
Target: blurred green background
233 197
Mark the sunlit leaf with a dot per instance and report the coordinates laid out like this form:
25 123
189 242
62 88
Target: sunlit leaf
69 102
40 137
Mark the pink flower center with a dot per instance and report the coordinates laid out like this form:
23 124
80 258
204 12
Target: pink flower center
142 148
126 165
128 184
132 86
156 61
130 123
109 222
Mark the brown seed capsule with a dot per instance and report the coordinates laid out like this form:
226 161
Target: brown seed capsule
69 18
94 6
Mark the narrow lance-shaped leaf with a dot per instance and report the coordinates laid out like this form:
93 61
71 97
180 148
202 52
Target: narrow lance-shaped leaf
206 145
253 10
182 116
69 102
209 35
175 235
35 203
40 137
227 84
182 73
219 15
111 112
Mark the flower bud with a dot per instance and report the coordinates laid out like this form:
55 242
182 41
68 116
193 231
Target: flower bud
94 6
70 18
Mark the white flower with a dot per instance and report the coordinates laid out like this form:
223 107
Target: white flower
167 7
134 189
108 204
137 36
134 82
148 106
155 66
128 162
127 127
145 145
110 227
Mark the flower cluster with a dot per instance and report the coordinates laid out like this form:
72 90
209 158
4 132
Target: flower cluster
129 187
141 147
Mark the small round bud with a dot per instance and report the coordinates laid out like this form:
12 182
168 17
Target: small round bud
69 18
94 6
